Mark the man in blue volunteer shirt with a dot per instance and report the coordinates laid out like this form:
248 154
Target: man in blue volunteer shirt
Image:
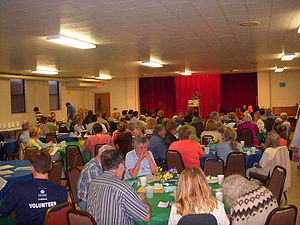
31 199
71 111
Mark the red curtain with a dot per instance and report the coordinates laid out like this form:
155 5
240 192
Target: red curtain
208 86
158 92
238 89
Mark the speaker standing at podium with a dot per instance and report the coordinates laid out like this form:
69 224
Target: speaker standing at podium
197 96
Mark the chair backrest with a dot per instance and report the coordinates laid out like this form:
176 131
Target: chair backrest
269 123
276 182
206 139
282 159
149 136
62 129
198 219
286 215
78 217
96 149
213 166
174 160
199 128
28 150
56 172
235 164
6 134
57 214
73 156
246 135
51 137
72 180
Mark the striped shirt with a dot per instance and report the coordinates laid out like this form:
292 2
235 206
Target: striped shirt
90 171
112 201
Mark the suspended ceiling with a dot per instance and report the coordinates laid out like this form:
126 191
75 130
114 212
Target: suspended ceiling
203 36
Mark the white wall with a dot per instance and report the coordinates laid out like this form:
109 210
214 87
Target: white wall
270 94
123 95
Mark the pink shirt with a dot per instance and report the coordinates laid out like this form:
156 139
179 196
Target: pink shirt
190 151
97 139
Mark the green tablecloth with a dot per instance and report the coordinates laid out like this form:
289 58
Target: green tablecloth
86 156
161 215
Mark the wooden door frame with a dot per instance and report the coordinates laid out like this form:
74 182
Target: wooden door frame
101 92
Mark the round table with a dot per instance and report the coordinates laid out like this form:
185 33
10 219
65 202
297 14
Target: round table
60 138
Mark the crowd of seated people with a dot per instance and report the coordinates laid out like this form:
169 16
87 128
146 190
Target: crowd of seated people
136 144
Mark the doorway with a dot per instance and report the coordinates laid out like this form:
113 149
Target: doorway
102 103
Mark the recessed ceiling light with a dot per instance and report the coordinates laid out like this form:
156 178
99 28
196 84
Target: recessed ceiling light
152 64
104 77
185 73
251 23
279 69
71 42
45 71
288 56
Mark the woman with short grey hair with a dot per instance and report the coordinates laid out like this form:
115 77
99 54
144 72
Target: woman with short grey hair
249 202
264 165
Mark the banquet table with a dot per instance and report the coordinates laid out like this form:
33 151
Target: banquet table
160 215
86 156
61 137
250 157
10 145
18 175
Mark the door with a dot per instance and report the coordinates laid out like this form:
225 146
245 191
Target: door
102 103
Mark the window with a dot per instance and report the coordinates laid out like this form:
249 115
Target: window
54 102
17 95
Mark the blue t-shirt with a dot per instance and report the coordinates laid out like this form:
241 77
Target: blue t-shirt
31 199
71 110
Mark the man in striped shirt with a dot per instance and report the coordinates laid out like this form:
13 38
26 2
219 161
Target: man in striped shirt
112 201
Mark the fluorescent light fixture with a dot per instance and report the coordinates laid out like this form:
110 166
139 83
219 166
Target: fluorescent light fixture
280 69
71 42
152 64
185 73
45 71
288 56
104 77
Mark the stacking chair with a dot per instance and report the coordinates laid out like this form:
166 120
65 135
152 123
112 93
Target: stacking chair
174 160
72 180
62 128
51 137
198 219
276 182
73 156
235 164
213 166
16 154
95 152
246 135
28 150
57 214
56 172
199 128
285 215
206 139
78 217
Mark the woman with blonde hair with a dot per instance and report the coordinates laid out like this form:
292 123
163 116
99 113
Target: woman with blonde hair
229 145
249 202
34 134
193 196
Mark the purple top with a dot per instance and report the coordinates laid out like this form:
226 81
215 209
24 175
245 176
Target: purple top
254 130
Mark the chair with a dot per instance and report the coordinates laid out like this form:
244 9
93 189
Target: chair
235 164
14 155
174 160
56 172
28 150
199 128
206 139
78 217
54 216
286 215
276 182
198 219
72 180
51 137
213 166
73 156
62 128
6 134
246 135
97 147
149 136
269 123
21 150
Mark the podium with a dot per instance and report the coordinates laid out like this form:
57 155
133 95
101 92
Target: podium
196 104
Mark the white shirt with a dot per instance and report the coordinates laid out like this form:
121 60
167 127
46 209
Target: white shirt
218 212
296 140
261 125
89 128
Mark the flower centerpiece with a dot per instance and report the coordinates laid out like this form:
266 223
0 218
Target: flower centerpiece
213 143
167 175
